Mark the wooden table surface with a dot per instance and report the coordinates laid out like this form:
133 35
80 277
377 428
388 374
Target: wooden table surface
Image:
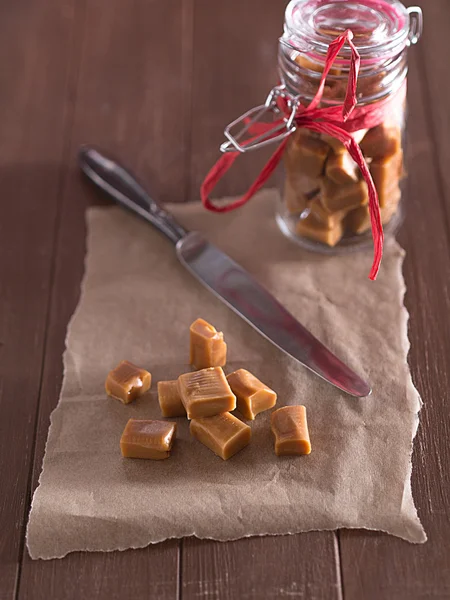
155 81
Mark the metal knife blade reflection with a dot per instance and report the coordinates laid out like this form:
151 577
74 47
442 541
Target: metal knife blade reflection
224 277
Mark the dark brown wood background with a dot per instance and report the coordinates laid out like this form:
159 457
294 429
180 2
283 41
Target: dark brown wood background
154 81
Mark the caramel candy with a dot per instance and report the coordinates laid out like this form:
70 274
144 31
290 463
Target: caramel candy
147 439
306 154
329 220
207 347
337 146
252 395
169 399
206 393
381 141
224 434
386 173
298 191
127 382
306 63
334 88
343 197
341 168
311 227
294 200
290 429
358 220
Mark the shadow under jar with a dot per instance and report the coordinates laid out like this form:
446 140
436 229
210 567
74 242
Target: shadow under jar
325 201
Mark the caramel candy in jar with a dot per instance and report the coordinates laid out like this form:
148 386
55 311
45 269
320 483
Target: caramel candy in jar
321 178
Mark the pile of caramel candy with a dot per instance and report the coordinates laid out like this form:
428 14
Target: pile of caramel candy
207 397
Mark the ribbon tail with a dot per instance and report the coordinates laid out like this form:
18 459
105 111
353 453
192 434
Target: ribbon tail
223 165
374 207
320 120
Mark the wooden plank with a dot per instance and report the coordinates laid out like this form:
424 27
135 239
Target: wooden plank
235 57
367 555
273 568
234 68
432 48
129 101
375 566
131 575
36 40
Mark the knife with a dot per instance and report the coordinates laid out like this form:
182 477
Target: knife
223 276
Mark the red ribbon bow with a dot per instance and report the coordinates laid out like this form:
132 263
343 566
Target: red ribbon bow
331 120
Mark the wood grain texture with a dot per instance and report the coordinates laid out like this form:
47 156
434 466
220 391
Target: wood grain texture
235 58
433 52
131 100
121 106
273 568
150 573
234 68
155 81
376 566
36 47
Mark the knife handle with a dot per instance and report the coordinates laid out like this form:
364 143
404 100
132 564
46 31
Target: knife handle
124 188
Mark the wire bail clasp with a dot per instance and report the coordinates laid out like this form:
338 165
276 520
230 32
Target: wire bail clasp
253 117
415 24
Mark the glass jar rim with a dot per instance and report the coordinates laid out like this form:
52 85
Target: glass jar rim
311 25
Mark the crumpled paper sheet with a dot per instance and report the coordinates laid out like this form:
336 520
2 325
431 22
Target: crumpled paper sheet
137 303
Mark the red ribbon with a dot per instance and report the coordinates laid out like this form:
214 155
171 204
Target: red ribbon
331 120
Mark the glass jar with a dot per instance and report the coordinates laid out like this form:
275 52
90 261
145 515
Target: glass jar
325 199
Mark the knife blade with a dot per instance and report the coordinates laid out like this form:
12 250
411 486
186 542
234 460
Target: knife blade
225 278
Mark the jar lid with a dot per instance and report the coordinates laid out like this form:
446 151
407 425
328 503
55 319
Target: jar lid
381 28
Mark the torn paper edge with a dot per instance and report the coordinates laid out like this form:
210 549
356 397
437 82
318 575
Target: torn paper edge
411 390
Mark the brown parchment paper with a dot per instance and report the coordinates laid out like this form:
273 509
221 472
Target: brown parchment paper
137 303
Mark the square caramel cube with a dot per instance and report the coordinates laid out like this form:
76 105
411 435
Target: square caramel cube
310 65
358 220
312 227
337 146
206 393
170 400
387 174
127 382
148 439
290 429
343 197
299 190
341 168
252 395
381 142
305 154
329 220
207 346
295 200
224 434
